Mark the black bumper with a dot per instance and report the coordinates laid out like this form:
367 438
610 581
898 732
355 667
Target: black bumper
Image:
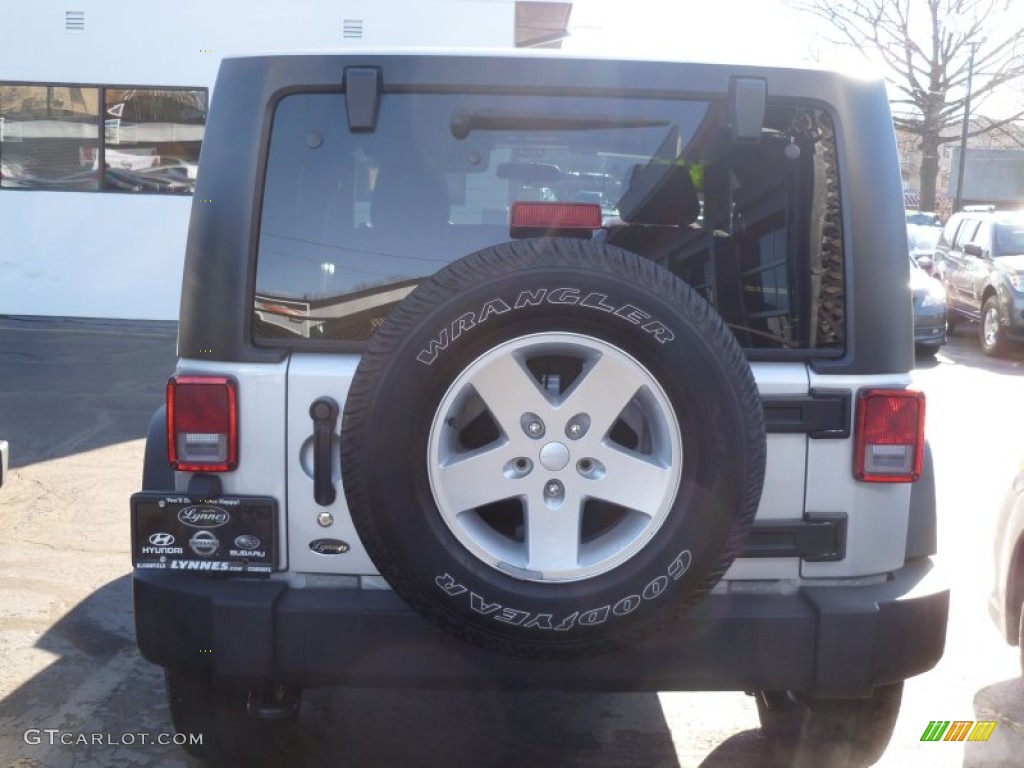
827 641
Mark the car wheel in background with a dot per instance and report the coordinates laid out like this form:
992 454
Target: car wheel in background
991 333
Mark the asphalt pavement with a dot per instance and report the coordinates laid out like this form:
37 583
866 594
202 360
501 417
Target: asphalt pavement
69 385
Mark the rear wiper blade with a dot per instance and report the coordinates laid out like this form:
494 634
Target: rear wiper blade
463 123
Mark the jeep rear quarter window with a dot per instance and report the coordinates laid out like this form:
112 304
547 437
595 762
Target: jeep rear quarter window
352 221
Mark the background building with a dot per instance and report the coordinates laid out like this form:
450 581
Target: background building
102 109
993 173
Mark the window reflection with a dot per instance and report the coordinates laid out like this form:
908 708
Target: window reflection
152 138
49 137
56 137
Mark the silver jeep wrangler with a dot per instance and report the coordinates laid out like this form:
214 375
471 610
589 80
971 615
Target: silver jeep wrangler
593 373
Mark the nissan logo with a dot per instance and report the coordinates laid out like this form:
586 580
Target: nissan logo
203 543
161 539
204 517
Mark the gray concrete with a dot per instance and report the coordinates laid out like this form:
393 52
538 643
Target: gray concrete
75 399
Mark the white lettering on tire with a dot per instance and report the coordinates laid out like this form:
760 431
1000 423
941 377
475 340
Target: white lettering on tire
557 296
592 617
626 605
655 587
449 585
478 604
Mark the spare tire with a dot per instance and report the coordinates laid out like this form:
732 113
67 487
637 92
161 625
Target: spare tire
552 447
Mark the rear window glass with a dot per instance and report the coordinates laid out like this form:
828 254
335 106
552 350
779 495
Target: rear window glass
352 221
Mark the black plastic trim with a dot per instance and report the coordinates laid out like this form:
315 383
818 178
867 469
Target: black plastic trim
157 474
324 413
362 98
824 414
204 486
816 539
827 641
922 525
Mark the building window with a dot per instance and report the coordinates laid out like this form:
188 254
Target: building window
53 137
152 138
49 137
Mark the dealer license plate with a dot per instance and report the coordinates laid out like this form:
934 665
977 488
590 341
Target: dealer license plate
231 534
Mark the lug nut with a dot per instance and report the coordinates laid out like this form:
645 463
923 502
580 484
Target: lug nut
326 519
532 425
553 488
517 468
577 426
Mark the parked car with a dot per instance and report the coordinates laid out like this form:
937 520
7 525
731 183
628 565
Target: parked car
504 442
921 241
929 310
980 258
924 218
1006 603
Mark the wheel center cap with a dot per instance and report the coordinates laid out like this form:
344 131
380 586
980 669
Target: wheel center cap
554 456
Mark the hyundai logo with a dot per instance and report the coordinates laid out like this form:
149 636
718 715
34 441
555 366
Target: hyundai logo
161 539
204 517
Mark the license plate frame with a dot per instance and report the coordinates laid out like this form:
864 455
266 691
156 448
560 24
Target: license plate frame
228 535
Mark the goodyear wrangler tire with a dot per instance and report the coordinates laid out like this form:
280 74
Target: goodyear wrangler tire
553 447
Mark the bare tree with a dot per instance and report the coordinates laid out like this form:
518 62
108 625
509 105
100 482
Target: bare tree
926 49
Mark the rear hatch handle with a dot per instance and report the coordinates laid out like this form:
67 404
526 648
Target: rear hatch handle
324 412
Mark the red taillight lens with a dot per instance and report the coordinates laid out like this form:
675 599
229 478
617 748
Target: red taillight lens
889 436
556 215
202 423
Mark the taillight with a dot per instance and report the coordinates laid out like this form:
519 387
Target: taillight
889 436
202 423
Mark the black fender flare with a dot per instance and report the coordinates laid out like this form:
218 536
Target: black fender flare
157 474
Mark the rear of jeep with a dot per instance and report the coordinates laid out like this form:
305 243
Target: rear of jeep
541 372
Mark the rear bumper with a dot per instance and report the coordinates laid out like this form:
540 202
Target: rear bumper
827 641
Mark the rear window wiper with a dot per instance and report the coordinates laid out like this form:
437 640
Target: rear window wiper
464 122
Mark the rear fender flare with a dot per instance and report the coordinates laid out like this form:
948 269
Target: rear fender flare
157 474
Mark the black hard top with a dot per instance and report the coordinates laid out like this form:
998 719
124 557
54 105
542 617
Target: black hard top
219 275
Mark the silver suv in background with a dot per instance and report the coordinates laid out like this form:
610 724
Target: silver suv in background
980 258
429 430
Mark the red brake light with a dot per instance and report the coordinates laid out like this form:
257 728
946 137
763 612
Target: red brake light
202 423
889 436
527 215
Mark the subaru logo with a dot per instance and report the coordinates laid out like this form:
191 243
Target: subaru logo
203 543
247 541
161 539
204 517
